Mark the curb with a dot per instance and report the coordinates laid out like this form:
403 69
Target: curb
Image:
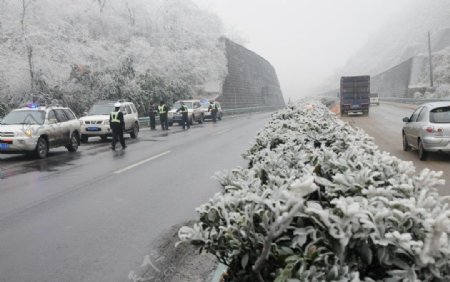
220 270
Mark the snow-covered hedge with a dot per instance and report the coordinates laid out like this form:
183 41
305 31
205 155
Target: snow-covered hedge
320 202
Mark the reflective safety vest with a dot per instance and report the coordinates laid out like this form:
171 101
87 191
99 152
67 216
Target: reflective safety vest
213 106
161 109
184 109
115 117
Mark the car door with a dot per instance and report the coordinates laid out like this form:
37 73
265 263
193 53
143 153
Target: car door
52 130
63 127
198 110
73 122
126 110
411 128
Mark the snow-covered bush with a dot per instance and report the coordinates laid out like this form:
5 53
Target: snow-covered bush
320 202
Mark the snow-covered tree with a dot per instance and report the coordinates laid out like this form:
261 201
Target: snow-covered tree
81 51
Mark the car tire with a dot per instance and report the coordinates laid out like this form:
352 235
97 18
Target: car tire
191 120
84 138
170 123
104 138
201 119
42 148
422 153
134 134
74 143
406 146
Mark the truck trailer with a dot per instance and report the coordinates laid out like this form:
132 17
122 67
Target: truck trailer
355 94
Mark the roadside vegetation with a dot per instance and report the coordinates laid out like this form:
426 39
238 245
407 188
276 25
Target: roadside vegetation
320 202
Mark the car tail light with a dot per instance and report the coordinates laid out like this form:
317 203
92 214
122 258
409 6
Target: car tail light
429 129
436 131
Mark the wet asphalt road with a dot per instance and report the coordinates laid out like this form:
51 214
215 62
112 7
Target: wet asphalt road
384 123
92 215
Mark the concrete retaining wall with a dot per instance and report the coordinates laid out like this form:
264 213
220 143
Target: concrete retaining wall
251 81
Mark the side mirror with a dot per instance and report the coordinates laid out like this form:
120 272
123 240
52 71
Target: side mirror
52 121
406 119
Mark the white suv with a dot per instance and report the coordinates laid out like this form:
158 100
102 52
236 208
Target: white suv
96 121
194 111
37 129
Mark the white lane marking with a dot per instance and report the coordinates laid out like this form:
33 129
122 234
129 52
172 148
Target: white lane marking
220 132
141 162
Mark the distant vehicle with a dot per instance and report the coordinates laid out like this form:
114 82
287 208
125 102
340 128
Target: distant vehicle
354 94
194 111
374 99
207 115
34 130
428 129
96 122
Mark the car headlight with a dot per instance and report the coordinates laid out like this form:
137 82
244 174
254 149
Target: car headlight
28 132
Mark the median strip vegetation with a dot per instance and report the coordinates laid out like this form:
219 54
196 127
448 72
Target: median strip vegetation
320 202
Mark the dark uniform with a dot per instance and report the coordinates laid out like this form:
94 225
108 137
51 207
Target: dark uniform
151 114
185 116
117 125
213 109
163 112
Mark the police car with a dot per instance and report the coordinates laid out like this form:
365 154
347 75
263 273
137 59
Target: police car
34 130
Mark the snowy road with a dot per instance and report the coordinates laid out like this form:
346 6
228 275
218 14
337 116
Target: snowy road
384 123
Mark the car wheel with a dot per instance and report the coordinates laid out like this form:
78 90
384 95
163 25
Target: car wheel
422 152
84 138
191 121
73 146
135 132
104 138
170 123
406 146
201 119
41 150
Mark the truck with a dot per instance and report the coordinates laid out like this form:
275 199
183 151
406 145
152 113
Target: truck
355 95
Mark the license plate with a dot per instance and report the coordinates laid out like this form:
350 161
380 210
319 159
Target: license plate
93 129
4 146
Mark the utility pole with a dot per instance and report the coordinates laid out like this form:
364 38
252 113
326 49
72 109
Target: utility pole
430 58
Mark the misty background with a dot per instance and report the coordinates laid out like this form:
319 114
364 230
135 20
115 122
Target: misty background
150 50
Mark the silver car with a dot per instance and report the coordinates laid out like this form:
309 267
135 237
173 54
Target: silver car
34 130
428 129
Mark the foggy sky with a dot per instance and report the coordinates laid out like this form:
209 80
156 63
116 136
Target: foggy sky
305 40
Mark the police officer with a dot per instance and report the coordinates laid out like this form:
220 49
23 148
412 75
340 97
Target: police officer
117 125
184 115
151 115
213 109
163 113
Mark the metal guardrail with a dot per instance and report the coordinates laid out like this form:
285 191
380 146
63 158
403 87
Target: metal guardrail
415 101
146 120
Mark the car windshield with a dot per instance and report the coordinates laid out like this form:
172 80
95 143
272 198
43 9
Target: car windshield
104 109
205 106
24 117
177 105
440 115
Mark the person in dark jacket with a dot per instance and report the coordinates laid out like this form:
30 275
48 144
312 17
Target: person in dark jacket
163 113
117 125
152 114
185 115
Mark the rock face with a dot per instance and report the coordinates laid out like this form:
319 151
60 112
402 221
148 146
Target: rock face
251 81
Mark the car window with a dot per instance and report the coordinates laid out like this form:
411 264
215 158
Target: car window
123 110
422 114
414 116
51 115
128 108
69 114
440 115
133 108
61 116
